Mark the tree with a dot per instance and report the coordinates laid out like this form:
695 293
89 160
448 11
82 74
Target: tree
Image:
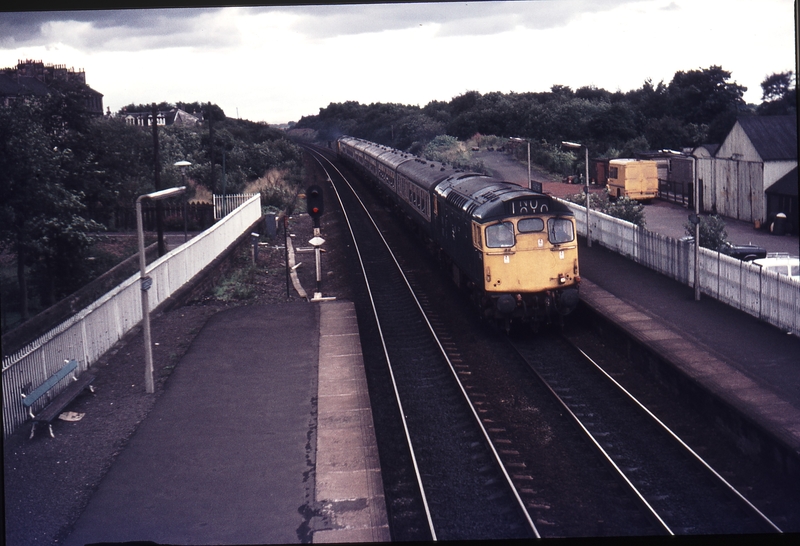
700 96
779 95
614 124
776 86
39 215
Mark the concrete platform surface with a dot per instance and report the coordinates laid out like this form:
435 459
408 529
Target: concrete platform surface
243 449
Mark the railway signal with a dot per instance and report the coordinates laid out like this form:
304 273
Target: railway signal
314 203
315 208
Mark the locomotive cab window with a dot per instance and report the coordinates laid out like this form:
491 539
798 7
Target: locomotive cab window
500 235
560 230
530 225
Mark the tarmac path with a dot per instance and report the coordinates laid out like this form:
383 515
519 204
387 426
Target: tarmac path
233 418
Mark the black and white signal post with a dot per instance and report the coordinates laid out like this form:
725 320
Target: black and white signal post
315 208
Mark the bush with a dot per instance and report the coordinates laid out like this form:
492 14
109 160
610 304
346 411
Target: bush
712 231
238 286
623 208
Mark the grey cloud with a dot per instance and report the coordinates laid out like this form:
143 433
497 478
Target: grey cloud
149 28
157 28
455 18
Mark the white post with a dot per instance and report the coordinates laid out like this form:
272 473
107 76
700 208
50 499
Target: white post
146 282
696 192
144 285
529 164
588 237
586 151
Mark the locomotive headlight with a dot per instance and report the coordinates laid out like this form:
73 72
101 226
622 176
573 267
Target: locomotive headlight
562 279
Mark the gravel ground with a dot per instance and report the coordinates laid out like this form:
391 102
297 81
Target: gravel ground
49 481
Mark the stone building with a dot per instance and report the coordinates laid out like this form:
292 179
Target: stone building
36 79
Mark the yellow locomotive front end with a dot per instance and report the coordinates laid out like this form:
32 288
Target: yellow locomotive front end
530 266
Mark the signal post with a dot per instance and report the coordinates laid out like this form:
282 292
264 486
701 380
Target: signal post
316 207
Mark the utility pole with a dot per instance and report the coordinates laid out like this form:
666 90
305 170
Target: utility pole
211 143
162 248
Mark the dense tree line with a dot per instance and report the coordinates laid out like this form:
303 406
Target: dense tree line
696 107
65 174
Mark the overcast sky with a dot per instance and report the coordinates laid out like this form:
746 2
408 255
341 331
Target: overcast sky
280 63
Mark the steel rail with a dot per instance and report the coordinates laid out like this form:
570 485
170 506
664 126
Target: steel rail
652 512
383 344
453 371
683 444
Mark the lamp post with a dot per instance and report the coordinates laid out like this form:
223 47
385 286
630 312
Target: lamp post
182 165
146 282
586 150
696 192
515 139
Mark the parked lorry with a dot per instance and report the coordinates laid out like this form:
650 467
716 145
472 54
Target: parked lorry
633 178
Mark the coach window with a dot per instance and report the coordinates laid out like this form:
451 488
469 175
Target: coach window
560 230
530 225
500 235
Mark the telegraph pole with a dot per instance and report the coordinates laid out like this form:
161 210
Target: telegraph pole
162 249
211 143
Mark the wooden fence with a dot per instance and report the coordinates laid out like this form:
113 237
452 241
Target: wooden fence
766 295
199 216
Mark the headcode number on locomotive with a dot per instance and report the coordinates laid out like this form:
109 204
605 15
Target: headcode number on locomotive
528 206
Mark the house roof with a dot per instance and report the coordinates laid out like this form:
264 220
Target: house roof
711 148
786 185
11 86
774 137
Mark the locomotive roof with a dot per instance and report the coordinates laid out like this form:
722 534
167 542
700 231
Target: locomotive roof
486 199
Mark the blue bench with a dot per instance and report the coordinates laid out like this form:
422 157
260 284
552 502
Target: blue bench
56 405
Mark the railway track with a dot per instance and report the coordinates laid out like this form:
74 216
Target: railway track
448 482
680 492
558 485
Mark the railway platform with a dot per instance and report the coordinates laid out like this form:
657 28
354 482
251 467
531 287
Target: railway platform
281 451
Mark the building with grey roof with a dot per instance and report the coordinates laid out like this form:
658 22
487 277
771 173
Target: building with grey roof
757 153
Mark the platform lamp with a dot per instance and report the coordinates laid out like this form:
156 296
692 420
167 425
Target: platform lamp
183 164
528 142
586 149
696 221
146 282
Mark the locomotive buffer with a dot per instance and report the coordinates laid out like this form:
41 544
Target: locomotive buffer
315 208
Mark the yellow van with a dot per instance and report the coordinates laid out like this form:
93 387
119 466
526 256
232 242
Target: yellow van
633 178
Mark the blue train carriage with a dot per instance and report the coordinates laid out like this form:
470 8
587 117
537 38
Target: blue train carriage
415 180
379 162
515 249
361 152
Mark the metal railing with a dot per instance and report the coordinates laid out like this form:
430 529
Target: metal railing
766 295
225 204
92 331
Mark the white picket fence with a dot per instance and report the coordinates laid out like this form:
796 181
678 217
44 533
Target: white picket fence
225 204
92 331
766 295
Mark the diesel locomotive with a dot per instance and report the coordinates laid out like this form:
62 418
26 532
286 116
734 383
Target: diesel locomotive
515 250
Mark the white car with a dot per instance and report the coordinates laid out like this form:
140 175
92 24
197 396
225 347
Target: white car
781 262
